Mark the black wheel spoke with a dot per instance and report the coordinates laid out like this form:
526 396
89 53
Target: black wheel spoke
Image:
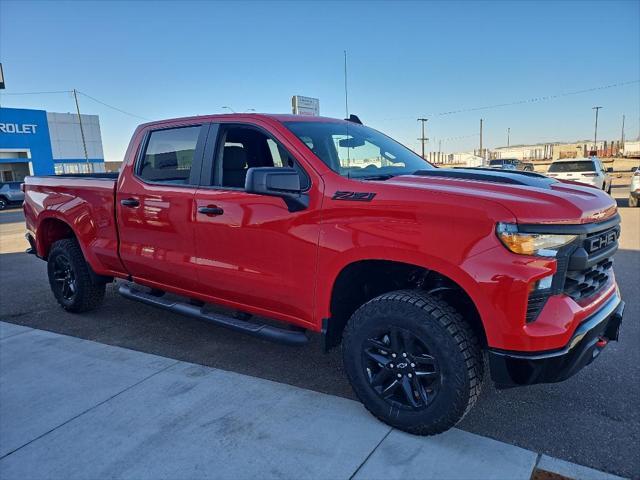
395 339
407 388
378 379
374 343
422 393
377 357
390 389
424 359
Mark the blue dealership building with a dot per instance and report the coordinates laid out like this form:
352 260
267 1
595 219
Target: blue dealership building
36 142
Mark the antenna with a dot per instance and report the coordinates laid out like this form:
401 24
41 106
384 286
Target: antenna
346 95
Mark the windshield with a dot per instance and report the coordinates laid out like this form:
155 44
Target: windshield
356 151
579 166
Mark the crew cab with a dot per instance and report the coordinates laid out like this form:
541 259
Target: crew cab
291 225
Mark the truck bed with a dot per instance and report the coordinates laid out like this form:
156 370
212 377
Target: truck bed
85 201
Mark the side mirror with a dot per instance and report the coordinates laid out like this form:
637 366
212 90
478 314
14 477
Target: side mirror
610 170
277 182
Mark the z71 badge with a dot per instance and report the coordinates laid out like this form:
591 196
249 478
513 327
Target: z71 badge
353 196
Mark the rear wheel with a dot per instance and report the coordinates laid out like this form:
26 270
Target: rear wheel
70 278
413 361
3 203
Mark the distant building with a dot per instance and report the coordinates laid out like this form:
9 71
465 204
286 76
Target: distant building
557 150
35 142
468 159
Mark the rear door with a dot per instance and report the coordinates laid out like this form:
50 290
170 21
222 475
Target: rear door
252 252
155 205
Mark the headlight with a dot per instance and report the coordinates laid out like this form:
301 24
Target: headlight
542 244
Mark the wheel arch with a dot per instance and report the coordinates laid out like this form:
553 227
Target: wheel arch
50 230
361 280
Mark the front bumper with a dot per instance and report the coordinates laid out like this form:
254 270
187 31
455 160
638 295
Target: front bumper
510 369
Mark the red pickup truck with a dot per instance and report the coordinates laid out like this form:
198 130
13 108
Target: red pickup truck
291 224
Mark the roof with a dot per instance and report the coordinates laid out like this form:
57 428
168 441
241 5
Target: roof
279 117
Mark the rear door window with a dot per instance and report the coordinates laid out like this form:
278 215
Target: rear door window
169 155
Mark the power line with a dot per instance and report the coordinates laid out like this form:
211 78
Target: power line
112 107
521 102
81 93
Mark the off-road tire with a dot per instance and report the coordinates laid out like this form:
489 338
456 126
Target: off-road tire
89 292
452 341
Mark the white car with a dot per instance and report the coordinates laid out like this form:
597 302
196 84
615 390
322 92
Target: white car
634 189
589 171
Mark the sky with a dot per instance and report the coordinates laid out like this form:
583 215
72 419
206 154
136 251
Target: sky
405 60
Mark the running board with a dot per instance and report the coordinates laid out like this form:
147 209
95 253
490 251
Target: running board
268 332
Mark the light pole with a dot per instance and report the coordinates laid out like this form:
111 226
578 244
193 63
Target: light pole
508 137
595 133
423 139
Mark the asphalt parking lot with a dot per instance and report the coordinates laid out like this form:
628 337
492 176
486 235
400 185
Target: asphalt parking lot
591 419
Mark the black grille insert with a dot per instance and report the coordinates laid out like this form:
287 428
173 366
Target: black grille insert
584 283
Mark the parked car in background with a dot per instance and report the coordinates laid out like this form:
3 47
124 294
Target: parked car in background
511 164
634 189
10 194
589 171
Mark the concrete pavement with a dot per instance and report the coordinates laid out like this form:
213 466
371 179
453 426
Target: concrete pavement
72 408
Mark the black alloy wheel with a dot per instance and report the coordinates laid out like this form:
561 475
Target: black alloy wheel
72 282
65 278
401 369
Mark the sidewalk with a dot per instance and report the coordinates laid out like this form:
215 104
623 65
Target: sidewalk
72 408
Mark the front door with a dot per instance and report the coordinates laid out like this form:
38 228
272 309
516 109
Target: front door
155 205
252 252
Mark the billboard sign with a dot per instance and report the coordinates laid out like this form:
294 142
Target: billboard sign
305 105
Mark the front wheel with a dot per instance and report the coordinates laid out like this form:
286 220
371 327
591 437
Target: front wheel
413 361
70 278
3 204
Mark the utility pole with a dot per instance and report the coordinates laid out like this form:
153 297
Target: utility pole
622 136
346 95
595 133
84 143
481 154
423 139
508 137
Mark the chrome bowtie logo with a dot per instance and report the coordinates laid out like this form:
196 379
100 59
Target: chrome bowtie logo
402 365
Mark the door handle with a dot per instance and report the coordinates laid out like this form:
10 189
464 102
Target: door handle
130 202
211 210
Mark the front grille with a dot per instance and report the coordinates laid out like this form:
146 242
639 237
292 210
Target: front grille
584 283
583 267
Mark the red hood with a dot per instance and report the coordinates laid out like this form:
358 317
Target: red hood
555 202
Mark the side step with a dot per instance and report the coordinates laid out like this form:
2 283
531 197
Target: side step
275 334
